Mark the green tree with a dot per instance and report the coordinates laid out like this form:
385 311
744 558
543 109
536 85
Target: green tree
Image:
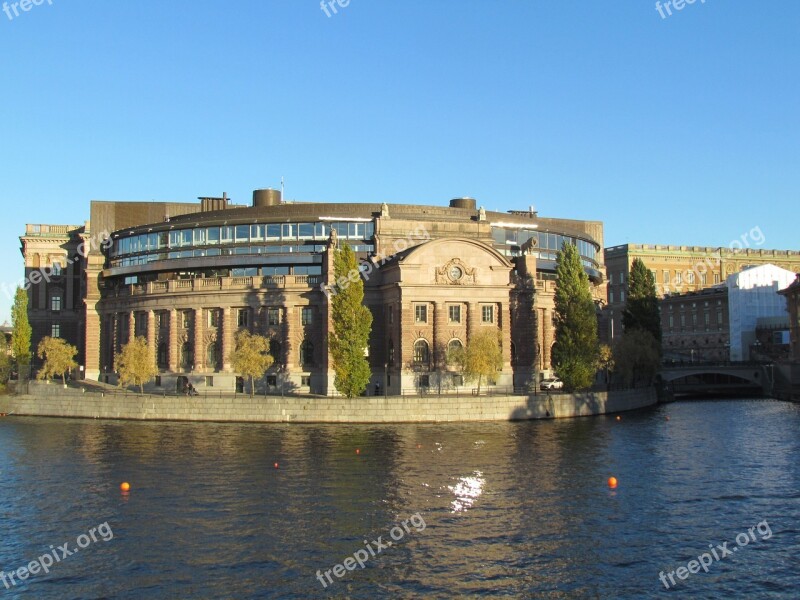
637 357
575 351
59 358
641 308
21 336
352 323
481 358
136 363
251 357
605 359
5 369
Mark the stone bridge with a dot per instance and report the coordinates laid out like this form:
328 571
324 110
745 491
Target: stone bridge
698 378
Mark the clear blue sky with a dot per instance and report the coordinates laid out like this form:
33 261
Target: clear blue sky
680 130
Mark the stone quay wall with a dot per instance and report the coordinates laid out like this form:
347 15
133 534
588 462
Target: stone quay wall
56 401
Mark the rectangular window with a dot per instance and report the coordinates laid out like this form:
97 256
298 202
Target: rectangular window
719 317
55 330
611 296
200 236
421 313
187 319
671 321
487 314
665 276
707 319
611 278
55 303
158 380
683 320
289 231
622 295
454 313
306 315
213 317
273 316
704 279
716 277
226 233
305 380
694 319
391 315
212 236
690 277
242 317
56 268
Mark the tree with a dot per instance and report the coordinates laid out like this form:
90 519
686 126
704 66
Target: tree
21 336
605 359
136 363
351 325
641 308
575 351
251 357
59 358
481 358
637 357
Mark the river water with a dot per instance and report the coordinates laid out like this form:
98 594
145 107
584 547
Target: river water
512 510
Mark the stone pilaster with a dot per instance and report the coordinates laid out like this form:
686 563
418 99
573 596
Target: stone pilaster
172 351
504 323
199 346
227 339
440 337
546 322
151 334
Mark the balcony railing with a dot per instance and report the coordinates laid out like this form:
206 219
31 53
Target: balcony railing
218 283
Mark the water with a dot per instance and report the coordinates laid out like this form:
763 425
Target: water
511 510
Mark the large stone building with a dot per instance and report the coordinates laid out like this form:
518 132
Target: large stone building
54 278
685 269
742 319
187 276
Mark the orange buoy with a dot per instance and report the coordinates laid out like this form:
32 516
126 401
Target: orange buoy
612 482
619 418
358 451
276 465
125 486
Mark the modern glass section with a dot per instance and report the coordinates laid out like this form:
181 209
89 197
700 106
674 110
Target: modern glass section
542 244
282 238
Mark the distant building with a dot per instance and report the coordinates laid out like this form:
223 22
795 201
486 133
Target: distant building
695 326
772 339
792 295
54 270
753 294
683 269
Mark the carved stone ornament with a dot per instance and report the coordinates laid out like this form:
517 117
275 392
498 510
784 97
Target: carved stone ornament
455 272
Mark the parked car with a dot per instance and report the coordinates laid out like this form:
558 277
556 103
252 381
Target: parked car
553 383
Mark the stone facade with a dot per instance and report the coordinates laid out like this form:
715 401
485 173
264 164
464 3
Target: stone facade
695 326
792 294
684 269
433 276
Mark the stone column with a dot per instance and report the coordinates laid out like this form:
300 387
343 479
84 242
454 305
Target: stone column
199 347
227 339
290 331
440 338
131 325
473 321
504 323
546 322
173 341
151 334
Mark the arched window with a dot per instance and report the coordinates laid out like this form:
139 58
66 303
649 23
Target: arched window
455 345
211 355
186 356
307 353
421 352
